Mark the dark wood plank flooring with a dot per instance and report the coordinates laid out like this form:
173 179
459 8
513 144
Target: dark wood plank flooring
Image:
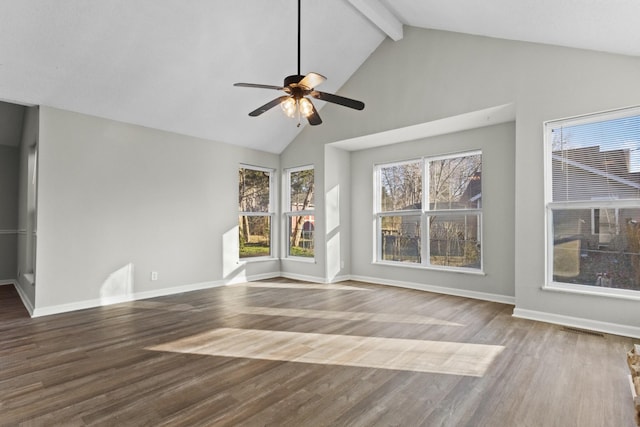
103 366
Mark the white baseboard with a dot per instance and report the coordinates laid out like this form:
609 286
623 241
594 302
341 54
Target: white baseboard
338 279
7 282
252 278
578 322
98 302
23 297
303 278
485 296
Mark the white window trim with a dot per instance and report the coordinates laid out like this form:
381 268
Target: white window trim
550 205
287 214
273 250
424 214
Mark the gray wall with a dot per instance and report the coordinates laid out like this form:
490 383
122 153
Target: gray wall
431 74
118 201
9 163
11 119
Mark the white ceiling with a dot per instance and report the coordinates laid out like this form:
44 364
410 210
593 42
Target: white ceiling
171 64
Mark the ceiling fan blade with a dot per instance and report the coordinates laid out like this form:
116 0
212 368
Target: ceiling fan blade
314 117
312 80
269 105
258 86
341 100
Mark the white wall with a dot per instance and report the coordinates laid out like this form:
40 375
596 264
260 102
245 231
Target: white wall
118 201
430 75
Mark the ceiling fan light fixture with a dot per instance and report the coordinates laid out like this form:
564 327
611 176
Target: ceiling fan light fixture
305 106
293 107
290 107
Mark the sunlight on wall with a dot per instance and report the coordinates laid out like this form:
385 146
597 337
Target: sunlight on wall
371 352
334 255
333 209
118 286
232 270
334 258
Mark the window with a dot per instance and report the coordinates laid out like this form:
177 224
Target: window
593 201
450 211
256 211
299 212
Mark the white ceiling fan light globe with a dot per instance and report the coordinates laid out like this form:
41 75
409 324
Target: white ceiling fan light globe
306 108
289 107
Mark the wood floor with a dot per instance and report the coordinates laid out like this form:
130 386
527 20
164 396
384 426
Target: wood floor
284 353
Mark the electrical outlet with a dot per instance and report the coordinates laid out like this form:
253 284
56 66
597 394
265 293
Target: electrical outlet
154 275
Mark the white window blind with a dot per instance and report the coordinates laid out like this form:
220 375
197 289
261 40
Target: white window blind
596 159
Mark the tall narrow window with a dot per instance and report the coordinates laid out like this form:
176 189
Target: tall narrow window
449 211
593 201
256 211
299 212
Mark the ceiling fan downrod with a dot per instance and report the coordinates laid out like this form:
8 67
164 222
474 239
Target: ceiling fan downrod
299 37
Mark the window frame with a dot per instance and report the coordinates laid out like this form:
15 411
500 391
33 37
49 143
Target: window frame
425 214
270 213
288 214
594 203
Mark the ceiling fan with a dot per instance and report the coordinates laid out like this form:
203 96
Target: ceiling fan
297 88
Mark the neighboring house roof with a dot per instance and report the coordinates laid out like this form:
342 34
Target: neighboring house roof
613 164
473 191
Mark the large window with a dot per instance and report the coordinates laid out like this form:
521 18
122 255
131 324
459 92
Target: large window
450 211
299 212
256 211
593 201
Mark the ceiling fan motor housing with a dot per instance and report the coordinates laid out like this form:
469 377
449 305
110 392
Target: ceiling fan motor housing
293 79
291 86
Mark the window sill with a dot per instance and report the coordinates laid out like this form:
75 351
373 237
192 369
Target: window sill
431 268
300 259
568 288
251 260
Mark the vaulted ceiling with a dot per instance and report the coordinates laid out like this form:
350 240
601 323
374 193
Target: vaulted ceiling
171 64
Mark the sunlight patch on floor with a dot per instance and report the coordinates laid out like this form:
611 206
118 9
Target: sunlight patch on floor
346 315
371 352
